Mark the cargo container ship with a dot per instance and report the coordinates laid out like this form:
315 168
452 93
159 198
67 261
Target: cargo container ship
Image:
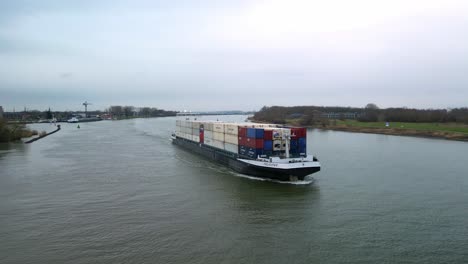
262 150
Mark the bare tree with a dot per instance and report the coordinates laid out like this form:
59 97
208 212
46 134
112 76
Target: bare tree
128 110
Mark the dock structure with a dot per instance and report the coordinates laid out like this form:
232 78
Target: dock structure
43 136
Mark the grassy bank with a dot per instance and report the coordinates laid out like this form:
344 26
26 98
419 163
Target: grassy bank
452 131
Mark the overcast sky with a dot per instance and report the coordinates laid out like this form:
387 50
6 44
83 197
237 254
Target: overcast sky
224 54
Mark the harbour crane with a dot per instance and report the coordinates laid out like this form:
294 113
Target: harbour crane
86 107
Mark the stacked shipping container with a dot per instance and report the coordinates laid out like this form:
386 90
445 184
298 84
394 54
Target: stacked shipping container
248 140
298 143
187 130
269 141
251 141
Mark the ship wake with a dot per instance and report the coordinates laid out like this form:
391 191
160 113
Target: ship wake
304 182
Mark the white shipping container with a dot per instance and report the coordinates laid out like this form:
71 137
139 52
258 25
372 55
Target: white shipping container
208 141
208 134
231 139
218 136
196 124
231 129
208 126
231 147
218 127
218 144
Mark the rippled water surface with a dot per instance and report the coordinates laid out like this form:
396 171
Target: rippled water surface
119 192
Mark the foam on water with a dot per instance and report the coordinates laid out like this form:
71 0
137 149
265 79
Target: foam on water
305 182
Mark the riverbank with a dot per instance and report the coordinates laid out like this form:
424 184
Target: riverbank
450 131
401 132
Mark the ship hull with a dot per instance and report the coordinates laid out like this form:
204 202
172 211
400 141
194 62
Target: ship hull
232 161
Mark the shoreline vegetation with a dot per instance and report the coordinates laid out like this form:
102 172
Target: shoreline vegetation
115 112
13 124
440 123
436 130
15 132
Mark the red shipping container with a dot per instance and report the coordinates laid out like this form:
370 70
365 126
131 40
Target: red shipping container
250 142
242 132
268 135
242 141
298 132
259 143
303 132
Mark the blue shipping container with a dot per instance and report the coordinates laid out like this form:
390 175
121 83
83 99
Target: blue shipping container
254 153
251 132
259 133
250 152
302 142
293 143
255 132
302 149
243 150
268 145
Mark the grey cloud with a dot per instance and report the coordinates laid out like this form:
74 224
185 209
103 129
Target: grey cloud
122 52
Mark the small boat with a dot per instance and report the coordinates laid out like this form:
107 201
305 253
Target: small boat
73 120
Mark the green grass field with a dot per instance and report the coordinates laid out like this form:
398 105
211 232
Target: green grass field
444 127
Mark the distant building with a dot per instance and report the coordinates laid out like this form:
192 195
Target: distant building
295 115
79 115
345 115
1 111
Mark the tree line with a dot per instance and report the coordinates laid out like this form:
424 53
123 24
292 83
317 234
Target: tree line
322 115
118 111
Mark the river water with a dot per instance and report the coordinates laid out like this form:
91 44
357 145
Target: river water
120 192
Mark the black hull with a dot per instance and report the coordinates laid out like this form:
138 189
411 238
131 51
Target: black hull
230 160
